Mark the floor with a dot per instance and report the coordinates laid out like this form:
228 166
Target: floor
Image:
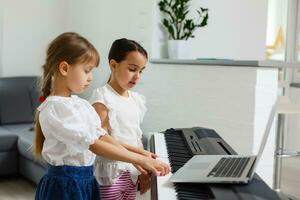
16 188
290 180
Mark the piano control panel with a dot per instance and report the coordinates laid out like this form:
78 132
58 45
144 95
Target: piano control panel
203 141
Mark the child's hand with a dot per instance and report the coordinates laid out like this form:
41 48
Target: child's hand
141 169
158 167
149 154
144 182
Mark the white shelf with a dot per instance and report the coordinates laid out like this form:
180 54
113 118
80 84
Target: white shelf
228 62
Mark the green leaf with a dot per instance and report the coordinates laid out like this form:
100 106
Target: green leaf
175 18
204 22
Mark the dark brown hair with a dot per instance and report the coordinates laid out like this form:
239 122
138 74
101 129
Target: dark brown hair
71 48
121 47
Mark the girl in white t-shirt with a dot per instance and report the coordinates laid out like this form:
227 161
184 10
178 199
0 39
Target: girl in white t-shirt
68 130
121 112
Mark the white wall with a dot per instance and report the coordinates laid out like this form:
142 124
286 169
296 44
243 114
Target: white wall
104 21
27 28
236 30
190 95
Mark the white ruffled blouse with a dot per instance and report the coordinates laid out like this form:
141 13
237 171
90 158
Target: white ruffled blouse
125 116
70 125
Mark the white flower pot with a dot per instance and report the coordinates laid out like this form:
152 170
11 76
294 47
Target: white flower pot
178 49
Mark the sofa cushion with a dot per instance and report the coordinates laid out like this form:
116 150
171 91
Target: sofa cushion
18 129
18 99
25 147
8 141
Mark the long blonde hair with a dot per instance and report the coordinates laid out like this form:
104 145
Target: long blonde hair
71 48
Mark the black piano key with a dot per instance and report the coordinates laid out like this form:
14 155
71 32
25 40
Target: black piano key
191 190
179 154
175 168
178 150
179 163
179 157
183 155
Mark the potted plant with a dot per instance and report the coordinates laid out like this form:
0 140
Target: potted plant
179 26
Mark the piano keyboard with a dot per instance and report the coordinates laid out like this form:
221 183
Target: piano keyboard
179 153
168 154
175 149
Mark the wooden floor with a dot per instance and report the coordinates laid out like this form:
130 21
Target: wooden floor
18 188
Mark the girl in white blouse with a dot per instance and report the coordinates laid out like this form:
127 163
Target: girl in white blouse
68 130
121 112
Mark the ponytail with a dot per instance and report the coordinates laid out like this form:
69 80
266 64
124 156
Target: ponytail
39 137
47 82
46 90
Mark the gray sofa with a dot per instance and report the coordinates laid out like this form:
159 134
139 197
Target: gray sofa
18 101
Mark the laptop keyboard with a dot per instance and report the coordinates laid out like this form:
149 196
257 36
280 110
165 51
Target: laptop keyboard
229 167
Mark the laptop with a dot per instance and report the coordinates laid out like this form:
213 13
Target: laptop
222 168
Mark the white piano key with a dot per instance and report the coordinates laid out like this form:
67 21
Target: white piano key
165 189
160 145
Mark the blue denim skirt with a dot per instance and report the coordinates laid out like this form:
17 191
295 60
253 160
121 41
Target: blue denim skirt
68 182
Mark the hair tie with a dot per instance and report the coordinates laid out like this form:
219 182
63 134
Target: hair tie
41 99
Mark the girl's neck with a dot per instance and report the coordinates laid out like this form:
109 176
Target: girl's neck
60 89
60 93
121 91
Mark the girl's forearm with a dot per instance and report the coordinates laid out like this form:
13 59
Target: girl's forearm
109 139
113 141
109 149
138 150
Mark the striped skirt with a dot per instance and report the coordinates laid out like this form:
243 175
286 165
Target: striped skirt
123 189
68 183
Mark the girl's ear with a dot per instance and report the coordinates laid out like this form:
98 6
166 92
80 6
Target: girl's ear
112 64
63 68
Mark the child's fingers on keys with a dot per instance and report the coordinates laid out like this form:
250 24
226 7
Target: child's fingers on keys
168 169
162 170
156 172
